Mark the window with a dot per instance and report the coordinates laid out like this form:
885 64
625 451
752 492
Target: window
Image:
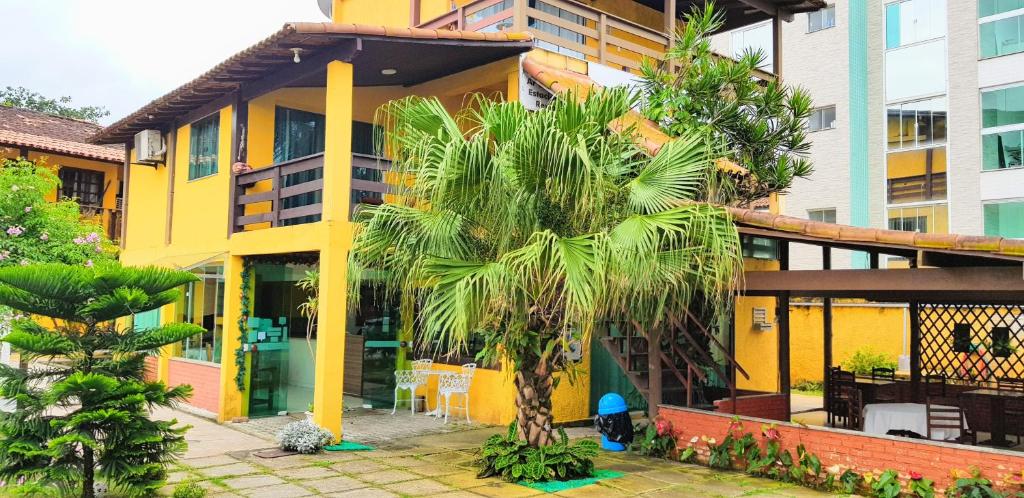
992 7
754 39
83 185
297 134
202 156
1005 219
916 175
1002 134
758 248
926 219
567 18
915 71
911 21
202 303
822 119
823 215
821 19
913 124
1001 36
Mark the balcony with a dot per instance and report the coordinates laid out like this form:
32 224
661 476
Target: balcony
564 27
291 192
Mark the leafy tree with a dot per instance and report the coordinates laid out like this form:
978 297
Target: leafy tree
532 227
24 98
759 124
82 412
34 229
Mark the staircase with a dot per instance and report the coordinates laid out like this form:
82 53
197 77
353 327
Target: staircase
683 360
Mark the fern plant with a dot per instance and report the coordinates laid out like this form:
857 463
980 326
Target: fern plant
513 459
83 405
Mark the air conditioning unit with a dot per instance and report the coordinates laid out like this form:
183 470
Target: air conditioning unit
149 147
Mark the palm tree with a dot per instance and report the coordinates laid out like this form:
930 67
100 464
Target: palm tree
530 228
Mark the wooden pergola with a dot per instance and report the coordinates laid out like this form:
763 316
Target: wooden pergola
944 269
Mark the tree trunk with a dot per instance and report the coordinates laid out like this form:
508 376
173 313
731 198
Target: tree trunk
533 402
89 473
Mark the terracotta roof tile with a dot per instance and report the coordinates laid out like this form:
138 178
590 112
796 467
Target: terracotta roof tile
53 134
898 239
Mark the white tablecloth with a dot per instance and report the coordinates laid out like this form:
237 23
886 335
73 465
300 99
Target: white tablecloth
882 417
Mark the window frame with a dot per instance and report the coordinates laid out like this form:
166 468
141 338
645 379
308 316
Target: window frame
194 171
994 18
815 110
829 7
998 129
984 215
823 211
81 174
901 44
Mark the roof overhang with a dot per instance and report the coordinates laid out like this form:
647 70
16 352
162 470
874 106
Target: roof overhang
51 145
739 13
417 55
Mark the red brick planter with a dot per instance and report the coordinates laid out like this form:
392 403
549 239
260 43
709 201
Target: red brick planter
203 377
858 451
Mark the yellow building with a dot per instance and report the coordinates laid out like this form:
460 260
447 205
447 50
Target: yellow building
89 173
265 156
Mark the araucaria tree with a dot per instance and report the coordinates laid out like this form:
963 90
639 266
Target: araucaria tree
760 125
531 228
83 406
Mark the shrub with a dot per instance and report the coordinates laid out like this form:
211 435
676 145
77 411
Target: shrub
863 360
972 486
886 485
513 459
188 489
304 437
809 386
655 440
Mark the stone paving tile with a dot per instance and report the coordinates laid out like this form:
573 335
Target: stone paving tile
248 482
235 469
387 476
341 456
278 491
636 484
458 494
315 472
335 484
212 461
598 490
435 470
358 466
421 487
366 493
280 462
176 477
404 461
505 490
466 480
669 476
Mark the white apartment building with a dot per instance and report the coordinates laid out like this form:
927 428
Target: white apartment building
919 115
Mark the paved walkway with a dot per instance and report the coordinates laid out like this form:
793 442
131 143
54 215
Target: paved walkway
221 460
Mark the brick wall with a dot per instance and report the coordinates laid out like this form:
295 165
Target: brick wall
204 379
767 406
149 373
861 452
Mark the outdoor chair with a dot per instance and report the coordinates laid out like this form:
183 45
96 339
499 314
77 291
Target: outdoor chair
452 384
885 394
836 404
411 380
854 407
941 418
935 385
1014 411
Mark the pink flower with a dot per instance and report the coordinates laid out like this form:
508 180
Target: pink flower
28 209
92 238
916 476
664 427
772 434
15 231
78 241
88 263
98 248
23 262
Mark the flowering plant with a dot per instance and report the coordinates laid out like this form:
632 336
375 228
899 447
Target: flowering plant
921 487
656 439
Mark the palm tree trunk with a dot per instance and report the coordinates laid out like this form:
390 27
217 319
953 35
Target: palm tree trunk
89 473
533 402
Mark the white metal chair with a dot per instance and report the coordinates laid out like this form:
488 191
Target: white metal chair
411 380
451 384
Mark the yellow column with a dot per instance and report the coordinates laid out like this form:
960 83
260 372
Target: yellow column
231 399
337 239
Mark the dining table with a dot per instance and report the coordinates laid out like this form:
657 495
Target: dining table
870 386
880 418
997 410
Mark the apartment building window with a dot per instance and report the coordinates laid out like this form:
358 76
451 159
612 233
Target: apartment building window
203 144
297 134
1000 27
823 118
759 248
1002 128
490 11
754 39
1005 219
914 124
202 303
83 185
912 21
568 34
916 175
827 215
925 219
821 19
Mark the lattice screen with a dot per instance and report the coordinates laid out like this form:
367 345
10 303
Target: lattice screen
972 343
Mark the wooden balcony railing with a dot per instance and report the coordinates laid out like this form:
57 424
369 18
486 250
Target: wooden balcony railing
108 218
562 26
291 193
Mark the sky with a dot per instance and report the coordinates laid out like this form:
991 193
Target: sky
121 54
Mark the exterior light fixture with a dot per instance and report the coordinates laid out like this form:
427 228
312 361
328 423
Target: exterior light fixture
297 51
389 71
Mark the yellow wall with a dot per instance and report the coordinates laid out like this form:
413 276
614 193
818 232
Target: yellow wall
376 12
854 327
757 351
